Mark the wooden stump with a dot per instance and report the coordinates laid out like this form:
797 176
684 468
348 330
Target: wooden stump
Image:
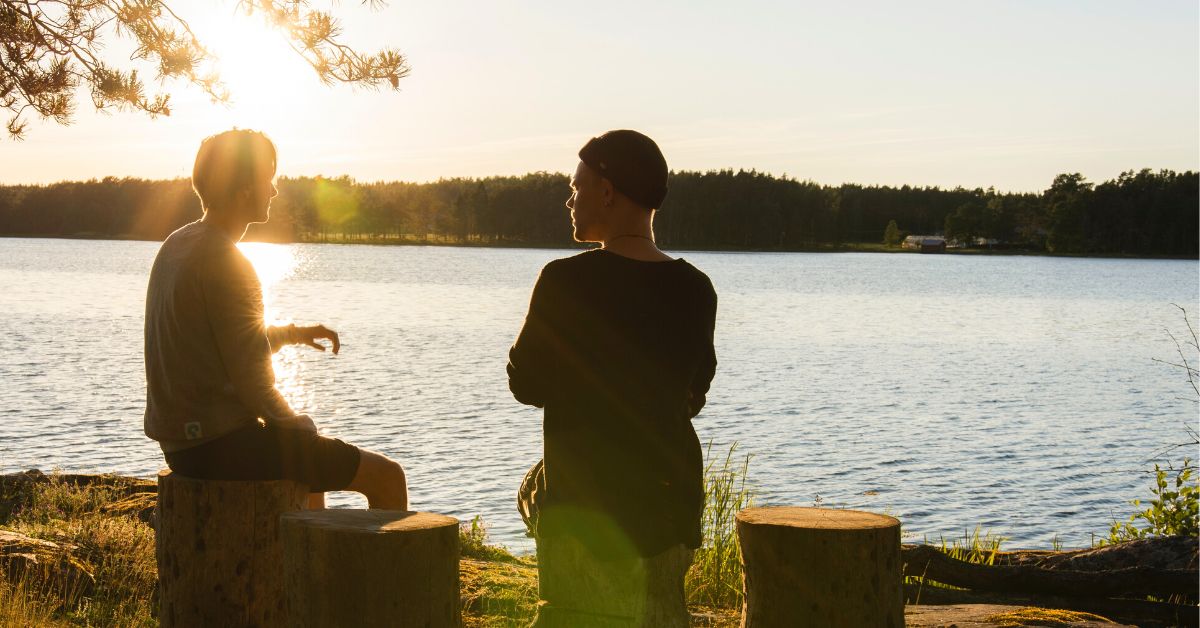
820 567
371 568
219 553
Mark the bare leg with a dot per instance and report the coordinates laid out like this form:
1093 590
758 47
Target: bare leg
316 501
382 481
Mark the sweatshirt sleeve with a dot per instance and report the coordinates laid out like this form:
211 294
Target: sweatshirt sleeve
708 357
529 358
233 299
279 336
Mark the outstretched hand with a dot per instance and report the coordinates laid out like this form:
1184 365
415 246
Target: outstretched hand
310 335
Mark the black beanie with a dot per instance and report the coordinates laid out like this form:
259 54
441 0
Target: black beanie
632 162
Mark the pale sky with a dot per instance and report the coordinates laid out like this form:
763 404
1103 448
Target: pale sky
1005 94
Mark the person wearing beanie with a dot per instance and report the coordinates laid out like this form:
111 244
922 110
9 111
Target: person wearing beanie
617 348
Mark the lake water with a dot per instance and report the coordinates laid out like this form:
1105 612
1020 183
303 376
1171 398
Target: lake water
1018 394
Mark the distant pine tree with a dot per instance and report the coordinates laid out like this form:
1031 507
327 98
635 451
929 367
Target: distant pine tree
891 235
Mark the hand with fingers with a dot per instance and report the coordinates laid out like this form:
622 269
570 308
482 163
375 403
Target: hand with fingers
310 335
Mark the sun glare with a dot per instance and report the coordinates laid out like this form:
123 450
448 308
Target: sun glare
264 76
272 262
275 263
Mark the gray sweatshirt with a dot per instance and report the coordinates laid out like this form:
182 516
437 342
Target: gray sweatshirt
208 351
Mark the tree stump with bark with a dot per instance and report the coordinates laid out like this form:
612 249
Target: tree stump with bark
371 568
220 559
820 567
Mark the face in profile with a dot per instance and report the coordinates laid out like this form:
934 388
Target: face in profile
259 193
586 204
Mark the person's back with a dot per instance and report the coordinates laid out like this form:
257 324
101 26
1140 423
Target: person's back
191 394
617 347
626 357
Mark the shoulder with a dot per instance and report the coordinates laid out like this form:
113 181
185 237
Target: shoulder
696 276
698 285
566 266
216 258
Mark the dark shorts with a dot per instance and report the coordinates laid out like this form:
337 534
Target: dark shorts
271 452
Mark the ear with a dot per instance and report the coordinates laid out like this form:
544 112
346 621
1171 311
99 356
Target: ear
607 191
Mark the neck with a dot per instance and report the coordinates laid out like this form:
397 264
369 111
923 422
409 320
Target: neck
227 223
636 243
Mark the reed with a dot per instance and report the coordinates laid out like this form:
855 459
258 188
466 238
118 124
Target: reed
715 578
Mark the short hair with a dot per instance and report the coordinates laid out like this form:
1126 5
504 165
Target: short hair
228 162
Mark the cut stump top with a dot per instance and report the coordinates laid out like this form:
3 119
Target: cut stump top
815 518
369 521
167 474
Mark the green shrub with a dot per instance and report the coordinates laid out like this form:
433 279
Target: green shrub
1175 509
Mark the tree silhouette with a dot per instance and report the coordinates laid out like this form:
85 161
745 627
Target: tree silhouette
1139 213
48 48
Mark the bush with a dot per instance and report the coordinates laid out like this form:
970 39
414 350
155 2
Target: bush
1173 511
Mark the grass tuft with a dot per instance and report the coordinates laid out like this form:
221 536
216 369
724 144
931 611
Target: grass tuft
1043 617
473 540
715 578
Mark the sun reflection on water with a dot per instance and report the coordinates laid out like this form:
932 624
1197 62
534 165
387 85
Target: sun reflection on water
274 264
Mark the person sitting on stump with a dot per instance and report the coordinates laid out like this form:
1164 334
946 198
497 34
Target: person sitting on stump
211 401
617 347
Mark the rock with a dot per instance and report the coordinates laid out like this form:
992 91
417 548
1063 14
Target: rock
993 615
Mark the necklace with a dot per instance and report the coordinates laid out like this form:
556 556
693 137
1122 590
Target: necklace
631 235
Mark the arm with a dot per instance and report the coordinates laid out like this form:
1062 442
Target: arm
234 307
283 335
530 356
708 359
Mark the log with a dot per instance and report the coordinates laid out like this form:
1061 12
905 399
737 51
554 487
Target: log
371 568
820 567
928 562
1139 612
45 565
1163 552
578 589
219 553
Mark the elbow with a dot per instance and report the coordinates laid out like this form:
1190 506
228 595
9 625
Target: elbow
523 388
524 392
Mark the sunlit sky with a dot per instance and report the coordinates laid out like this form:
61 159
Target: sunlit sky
1003 94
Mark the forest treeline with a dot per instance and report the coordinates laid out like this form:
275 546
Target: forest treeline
1143 213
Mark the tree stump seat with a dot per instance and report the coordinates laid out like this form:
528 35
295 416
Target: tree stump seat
820 567
371 568
220 559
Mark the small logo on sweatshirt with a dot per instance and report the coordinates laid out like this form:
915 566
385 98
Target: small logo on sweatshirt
193 430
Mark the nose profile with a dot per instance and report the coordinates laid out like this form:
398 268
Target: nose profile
570 202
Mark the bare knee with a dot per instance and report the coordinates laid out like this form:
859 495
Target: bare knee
382 480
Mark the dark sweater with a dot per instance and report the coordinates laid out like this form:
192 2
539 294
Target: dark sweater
619 352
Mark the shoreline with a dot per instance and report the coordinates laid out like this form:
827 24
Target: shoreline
94 534
860 247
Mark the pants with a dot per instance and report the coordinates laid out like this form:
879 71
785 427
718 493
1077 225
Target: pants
579 590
